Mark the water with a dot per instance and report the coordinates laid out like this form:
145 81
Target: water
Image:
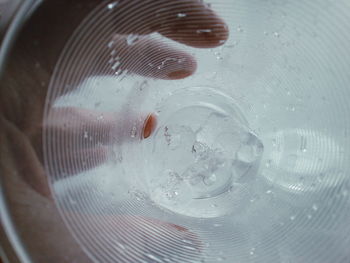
259 178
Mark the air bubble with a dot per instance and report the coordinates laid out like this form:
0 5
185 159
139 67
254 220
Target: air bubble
218 56
111 44
181 15
201 31
116 65
131 39
155 258
114 52
133 132
112 5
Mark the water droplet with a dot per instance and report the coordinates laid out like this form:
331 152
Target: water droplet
140 196
274 143
133 132
120 72
116 65
303 143
218 56
131 39
187 241
153 257
189 247
181 15
112 5
268 191
121 246
201 31
309 216
239 29
252 251
292 218
314 207
111 60
276 34
110 44
291 108
113 52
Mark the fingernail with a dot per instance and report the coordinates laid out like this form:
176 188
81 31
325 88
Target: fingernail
180 74
149 126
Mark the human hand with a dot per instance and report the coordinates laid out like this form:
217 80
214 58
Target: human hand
25 84
43 39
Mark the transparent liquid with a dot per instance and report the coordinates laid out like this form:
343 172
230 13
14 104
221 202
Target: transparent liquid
267 181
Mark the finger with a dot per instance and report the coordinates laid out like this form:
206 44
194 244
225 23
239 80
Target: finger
141 234
20 154
89 128
80 139
84 127
191 22
147 57
67 162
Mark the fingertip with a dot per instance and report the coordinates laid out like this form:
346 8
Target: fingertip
201 27
217 36
202 35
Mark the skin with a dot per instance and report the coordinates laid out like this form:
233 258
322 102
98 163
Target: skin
22 97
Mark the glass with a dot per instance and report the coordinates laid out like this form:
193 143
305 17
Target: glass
246 160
